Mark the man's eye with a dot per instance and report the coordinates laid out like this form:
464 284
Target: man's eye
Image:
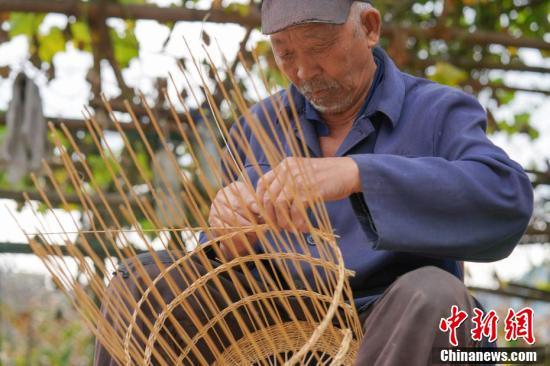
318 50
286 56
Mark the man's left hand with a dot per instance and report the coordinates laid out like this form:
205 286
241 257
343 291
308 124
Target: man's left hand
284 190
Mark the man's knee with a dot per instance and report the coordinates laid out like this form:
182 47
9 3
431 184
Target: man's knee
432 286
149 277
147 263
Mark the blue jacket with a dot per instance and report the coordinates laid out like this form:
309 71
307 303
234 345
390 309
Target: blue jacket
436 191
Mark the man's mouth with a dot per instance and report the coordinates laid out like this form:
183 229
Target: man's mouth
319 93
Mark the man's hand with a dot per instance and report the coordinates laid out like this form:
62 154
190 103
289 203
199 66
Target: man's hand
283 190
234 206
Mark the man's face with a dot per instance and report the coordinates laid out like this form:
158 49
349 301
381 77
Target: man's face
327 63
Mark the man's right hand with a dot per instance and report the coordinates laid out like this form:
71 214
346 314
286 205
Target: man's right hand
234 206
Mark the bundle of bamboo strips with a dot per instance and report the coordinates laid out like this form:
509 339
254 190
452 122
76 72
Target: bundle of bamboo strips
283 302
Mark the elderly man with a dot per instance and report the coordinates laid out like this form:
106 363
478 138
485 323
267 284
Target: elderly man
411 183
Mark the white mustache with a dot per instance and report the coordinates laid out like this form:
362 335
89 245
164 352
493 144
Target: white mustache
316 85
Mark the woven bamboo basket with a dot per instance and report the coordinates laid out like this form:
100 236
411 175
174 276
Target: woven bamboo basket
288 301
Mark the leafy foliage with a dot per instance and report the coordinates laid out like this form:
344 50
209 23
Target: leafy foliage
446 73
126 47
459 63
42 47
81 37
38 325
24 24
50 44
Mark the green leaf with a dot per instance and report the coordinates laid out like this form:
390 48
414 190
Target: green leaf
4 180
505 127
125 47
61 176
521 124
497 81
504 96
42 208
263 48
521 120
82 39
24 24
142 159
100 170
242 9
275 76
50 44
533 133
146 225
448 74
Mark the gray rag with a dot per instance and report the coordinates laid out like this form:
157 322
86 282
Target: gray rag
24 146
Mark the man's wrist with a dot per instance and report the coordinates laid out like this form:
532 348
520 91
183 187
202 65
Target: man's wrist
355 176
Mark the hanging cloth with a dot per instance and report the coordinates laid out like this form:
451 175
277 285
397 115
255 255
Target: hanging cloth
25 143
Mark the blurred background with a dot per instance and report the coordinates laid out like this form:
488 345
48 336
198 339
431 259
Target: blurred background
59 56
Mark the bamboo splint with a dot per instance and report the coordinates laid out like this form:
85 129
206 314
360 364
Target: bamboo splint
294 303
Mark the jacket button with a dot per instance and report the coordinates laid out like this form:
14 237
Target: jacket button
310 240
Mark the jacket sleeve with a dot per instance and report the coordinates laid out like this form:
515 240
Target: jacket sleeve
469 201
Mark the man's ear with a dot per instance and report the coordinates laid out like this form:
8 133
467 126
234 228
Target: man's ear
371 24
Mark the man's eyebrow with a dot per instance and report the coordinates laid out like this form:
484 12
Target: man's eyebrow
324 35
276 41
314 34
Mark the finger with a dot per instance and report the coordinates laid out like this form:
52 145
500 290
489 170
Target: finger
282 210
232 198
269 199
218 230
234 239
263 183
283 205
230 218
247 205
223 198
298 215
238 221
222 208
215 212
215 223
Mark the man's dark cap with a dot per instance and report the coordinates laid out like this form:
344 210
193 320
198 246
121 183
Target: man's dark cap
280 14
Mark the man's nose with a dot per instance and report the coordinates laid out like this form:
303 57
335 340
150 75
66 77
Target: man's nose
308 69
